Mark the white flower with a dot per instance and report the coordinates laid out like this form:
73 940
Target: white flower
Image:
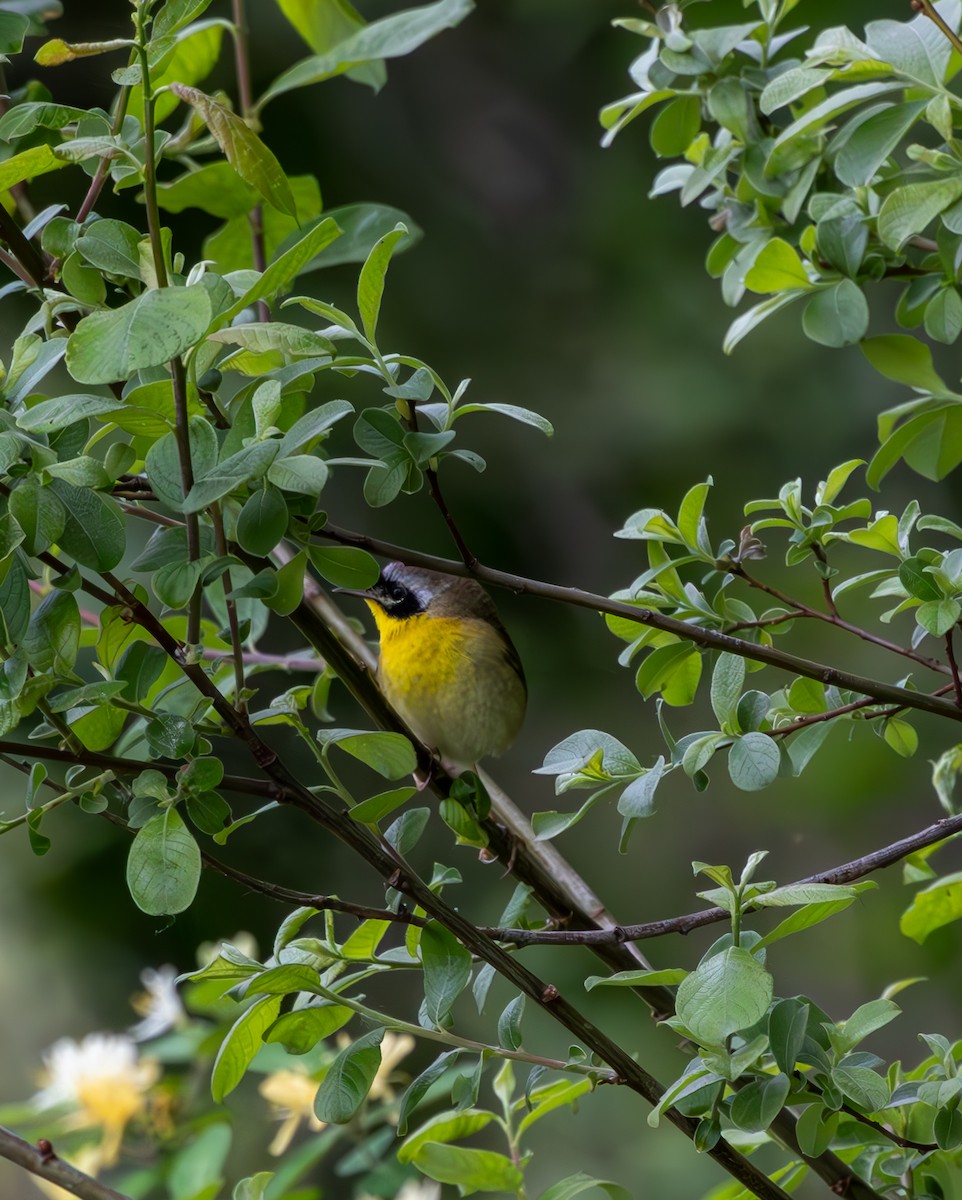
158 1005
104 1079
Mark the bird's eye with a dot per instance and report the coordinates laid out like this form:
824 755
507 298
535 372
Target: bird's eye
396 592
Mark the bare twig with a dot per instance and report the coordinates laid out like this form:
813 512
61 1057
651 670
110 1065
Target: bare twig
42 1161
927 7
848 872
242 67
950 655
233 626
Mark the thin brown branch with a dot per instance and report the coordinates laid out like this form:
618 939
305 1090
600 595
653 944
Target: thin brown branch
41 1160
848 872
242 68
710 639
927 7
285 895
822 558
950 655
832 618
241 784
100 175
233 626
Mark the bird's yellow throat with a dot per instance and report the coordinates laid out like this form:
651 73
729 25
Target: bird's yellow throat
419 650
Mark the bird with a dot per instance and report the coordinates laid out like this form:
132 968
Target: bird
446 664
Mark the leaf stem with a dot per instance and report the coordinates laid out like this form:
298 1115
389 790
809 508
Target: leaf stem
245 96
237 649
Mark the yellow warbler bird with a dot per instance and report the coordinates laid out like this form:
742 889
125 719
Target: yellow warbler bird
446 664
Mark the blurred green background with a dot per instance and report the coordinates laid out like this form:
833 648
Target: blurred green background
549 278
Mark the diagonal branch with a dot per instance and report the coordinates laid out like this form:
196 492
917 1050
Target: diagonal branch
40 1160
848 872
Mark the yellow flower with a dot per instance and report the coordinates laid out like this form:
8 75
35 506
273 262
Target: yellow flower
291 1094
394 1048
105 1081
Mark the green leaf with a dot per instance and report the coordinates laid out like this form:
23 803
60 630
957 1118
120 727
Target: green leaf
244 1038
908 210
727 681
676 126
447 970
148 331
862 1086
244 467
509 1023
243 149
113 247
282 272
345 566
362 225
300 1030
348 1079
516 413
52 640
668 977
444 1127
471 1170
904 359
917 581
755 1106
163 866
787 1025
419 1087
574 1185
638 798
262 522
169 736
390 37
28 164
874 140
390 754
777 268
198 1166
837 315
938 616
753 317
49 416
370 284
312 425
404 833
215 187
866 1019
753 762
916 49
943 316
937 905
39 514
726 993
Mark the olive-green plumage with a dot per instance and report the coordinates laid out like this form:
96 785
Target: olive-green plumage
446 662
